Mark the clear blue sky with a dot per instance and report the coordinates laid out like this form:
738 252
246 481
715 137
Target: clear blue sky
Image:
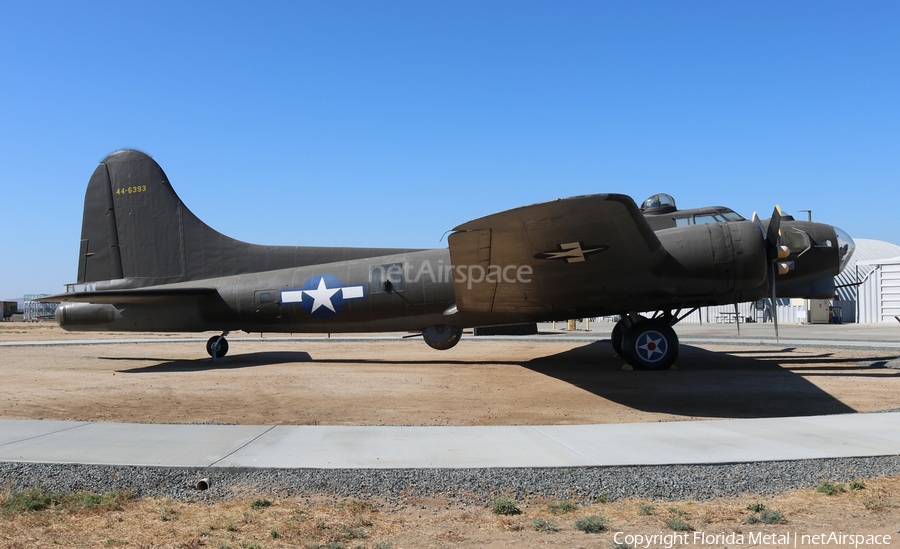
388 123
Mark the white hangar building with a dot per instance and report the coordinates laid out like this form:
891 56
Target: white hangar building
869 288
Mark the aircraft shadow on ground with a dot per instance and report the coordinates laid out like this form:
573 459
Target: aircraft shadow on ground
737 384
231 362
710 384
250 360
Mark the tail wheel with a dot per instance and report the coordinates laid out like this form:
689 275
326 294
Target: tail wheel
217 346
650 345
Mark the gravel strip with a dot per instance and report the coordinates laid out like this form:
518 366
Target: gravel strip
459 486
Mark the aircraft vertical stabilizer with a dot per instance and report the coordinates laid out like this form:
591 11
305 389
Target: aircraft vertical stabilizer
135 227
133 222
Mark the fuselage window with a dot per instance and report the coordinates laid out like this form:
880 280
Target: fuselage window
386 278
265 297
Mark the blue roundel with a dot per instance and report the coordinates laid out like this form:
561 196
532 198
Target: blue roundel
651 346
323 296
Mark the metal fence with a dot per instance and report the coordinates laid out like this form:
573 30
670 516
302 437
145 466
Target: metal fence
35 311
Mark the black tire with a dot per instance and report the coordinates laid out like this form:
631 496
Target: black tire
650 345
441 337
217 346
618 333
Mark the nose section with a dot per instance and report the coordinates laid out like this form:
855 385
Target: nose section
846 247
818 253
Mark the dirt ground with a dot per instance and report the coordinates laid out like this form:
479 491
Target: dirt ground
401 382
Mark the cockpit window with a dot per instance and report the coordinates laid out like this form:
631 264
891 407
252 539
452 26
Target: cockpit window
664 204
717 217
708 218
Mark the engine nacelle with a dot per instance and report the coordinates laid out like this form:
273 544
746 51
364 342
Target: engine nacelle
86 316
715 259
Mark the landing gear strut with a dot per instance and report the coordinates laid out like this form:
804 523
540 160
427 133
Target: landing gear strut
646 343
217 346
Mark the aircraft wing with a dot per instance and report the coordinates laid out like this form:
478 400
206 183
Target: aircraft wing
133 296
574 248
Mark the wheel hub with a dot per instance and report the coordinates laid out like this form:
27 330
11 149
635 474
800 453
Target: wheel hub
651 346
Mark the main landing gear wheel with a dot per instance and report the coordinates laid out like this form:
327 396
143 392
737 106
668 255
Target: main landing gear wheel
650 345
217 346
618 332
441 336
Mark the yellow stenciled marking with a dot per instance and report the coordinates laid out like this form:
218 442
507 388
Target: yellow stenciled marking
132 190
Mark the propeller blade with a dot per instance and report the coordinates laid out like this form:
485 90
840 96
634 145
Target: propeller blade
774 297
774 252
773 234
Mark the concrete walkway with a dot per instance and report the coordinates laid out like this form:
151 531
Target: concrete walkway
384 447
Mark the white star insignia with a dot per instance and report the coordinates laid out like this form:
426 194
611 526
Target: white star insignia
322 296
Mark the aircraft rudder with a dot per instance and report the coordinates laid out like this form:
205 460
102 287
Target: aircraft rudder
99 257
132 224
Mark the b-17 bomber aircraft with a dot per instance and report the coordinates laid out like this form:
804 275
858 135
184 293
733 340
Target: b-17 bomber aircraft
146 263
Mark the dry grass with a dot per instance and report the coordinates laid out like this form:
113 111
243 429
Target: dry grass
321 522
154 522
